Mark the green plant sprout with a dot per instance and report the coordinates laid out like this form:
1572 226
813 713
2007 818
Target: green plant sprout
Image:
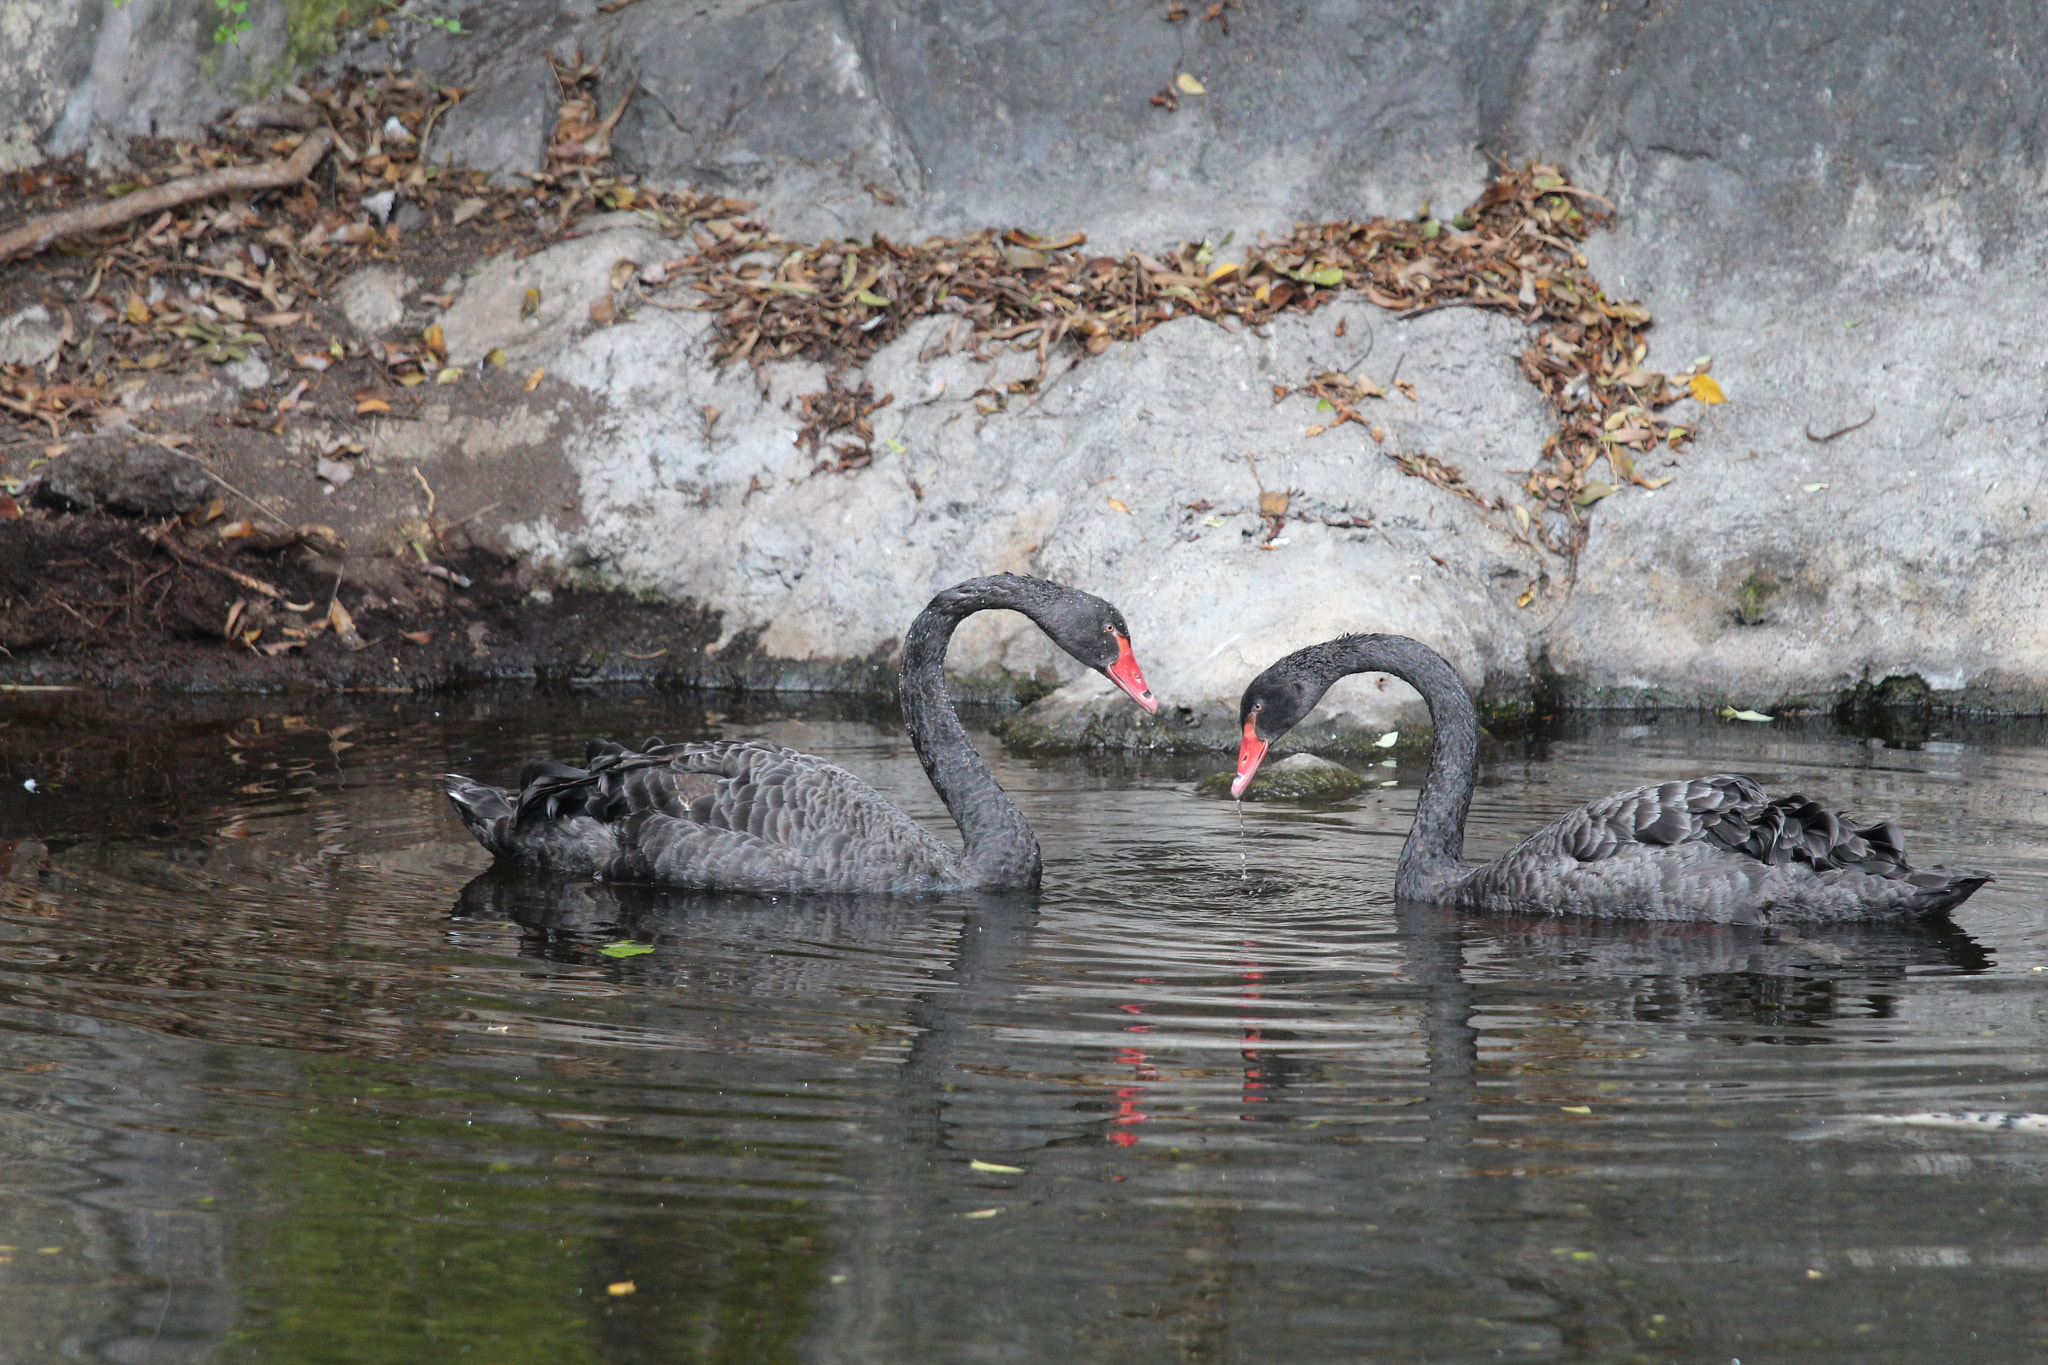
234 18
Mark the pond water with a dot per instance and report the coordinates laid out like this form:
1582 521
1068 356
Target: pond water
287 1076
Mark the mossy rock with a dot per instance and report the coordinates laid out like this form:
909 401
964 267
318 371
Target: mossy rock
1304 777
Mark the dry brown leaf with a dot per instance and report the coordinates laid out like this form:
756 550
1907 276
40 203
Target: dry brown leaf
1117 505
533 380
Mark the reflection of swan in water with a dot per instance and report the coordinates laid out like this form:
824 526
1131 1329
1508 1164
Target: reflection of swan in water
754 817
1714 848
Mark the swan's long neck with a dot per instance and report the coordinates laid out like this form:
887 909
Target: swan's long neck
1001 850
1435 851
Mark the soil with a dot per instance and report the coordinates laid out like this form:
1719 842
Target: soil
91 599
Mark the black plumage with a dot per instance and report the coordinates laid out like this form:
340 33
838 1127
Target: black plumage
1712 848
755 817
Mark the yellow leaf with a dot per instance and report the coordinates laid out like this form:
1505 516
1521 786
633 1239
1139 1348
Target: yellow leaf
1576 1108
1117 505
1316 430
1528 596
1730 713
432 336
1521 516
496 356
532 304
1219 272
372 405
991 1166
412 380
618 1289
449 375
1706 390
982 1213
1811 487
1189 85
138 311
1657 482
533 380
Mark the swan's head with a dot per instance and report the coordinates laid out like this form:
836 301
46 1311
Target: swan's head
1278 700
1094 632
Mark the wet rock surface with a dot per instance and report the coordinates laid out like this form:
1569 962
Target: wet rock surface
1848 234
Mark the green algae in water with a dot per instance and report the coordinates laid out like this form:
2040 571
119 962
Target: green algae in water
1303 777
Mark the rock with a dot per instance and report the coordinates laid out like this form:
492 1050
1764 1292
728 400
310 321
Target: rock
504 126
568 278
28 337
249 372
1300 777
374 298
136 481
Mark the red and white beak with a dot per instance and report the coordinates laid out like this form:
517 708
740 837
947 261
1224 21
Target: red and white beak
1124 673
1251 751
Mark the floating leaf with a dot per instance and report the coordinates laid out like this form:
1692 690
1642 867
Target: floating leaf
995 1169
1703 387
1730 713
1576 1108
618 1289
1117 505
1188 85
625 947
982 1213
1387 740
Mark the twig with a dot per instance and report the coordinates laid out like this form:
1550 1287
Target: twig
487 507
1843 431
171 548
39 233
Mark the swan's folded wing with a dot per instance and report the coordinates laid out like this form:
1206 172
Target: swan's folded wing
760 795
1733 813
1661 815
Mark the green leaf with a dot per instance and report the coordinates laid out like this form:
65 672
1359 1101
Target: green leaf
1594 492
1328 277
625 947
872 299
1323 405
895 446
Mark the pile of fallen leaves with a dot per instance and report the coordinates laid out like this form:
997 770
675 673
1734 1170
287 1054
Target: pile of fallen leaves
216 281
1514 251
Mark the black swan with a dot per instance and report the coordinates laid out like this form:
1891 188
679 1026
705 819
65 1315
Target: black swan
1713 848
722 815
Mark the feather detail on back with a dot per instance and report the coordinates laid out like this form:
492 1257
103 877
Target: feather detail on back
1715 848
738 816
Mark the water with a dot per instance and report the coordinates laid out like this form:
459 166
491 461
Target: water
283 1078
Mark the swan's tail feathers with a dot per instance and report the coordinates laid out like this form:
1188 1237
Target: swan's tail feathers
1941 889
486 810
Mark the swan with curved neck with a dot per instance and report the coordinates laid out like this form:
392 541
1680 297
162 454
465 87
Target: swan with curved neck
1712 848
755 817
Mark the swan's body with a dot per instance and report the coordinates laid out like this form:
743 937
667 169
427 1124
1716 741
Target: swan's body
754 817
1712 848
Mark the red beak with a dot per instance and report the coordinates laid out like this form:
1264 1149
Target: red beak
1251 751
1124 673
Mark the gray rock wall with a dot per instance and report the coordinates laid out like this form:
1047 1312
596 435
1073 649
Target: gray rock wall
1839 203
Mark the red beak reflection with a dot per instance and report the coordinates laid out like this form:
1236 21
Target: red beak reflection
1124 673
1251 751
